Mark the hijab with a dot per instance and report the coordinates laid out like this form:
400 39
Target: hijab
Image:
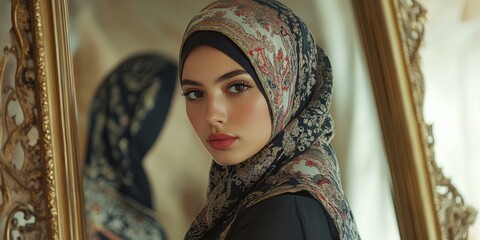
126 116
296 79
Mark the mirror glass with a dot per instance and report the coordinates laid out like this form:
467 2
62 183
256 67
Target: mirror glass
450 57
105 33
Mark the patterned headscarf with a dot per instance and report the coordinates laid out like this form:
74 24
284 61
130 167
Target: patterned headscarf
296 78
126 117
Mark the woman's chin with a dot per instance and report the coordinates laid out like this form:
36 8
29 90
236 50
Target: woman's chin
226 162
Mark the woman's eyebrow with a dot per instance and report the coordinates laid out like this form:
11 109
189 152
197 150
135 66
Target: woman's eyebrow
190 82
224 77
231 74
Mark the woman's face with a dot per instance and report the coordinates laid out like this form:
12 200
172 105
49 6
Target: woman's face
225 106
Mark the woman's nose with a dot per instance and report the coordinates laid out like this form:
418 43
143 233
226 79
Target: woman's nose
216 111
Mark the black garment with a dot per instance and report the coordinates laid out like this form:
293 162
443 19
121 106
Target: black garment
292 216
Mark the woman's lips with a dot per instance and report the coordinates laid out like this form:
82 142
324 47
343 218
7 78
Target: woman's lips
221 141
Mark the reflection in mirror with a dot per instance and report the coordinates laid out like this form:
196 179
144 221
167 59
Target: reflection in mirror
451 54
126 116
104 33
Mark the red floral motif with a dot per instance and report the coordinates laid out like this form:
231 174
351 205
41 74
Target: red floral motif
277 99
240 12
219 15
323 181
264 24
310 163
280 55
282 65
259 54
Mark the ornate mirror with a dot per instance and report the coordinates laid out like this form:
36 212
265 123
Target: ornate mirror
41 193
385 148
420 188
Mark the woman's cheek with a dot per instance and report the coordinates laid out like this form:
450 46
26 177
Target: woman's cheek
194 116
255 113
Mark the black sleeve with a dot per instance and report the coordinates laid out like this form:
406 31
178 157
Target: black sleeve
293 216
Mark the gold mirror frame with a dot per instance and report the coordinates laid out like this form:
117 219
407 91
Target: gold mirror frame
427 205
43 198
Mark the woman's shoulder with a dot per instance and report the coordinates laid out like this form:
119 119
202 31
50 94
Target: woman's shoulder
286 216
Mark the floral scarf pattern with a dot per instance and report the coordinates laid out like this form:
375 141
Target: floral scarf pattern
126 116
297 79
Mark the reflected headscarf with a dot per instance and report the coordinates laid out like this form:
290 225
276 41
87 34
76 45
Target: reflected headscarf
296 78
126 117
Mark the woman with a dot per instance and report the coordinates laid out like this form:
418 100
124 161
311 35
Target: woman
257 94
126 116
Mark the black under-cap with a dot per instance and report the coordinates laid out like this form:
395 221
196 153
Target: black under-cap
222 43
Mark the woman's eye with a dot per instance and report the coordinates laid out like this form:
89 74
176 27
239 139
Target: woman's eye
192 95
238 88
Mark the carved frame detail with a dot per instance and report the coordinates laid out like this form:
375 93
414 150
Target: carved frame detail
428 206
453 214
41 194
